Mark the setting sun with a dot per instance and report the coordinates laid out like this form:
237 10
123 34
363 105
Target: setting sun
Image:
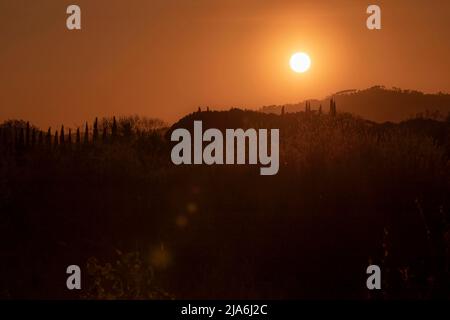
300 62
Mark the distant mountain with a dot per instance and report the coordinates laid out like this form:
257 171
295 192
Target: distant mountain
379 104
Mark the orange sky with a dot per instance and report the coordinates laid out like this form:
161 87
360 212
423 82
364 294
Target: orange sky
163 58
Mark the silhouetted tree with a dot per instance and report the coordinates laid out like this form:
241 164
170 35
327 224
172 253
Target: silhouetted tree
40 138
69 137
307 107
114 129
86 134
61 136
282 111
55 141
332 108
78 138
320 109
48 138
199 110
95 132
33 137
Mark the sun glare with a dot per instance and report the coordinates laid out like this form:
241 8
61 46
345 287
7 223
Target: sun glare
300 62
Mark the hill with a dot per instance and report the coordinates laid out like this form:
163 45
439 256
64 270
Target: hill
380 104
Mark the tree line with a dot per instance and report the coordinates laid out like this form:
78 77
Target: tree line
18 135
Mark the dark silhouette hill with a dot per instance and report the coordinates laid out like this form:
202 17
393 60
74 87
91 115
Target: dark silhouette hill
315 123
425 124
380 104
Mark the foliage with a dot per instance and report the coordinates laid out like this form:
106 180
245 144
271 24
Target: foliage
129 277
349 192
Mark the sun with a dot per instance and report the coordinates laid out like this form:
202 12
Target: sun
300 62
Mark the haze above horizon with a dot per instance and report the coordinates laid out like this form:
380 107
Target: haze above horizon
164 58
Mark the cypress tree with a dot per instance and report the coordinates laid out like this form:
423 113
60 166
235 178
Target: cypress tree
55 142
69 137
41 138
282 110
78 139
48 138
33 137
114 129
320 109
95 133
332 108
307 107
61 135
86 134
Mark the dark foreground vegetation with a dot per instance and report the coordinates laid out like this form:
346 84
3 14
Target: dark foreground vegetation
349 193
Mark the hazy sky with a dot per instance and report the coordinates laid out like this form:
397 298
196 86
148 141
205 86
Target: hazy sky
163 58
